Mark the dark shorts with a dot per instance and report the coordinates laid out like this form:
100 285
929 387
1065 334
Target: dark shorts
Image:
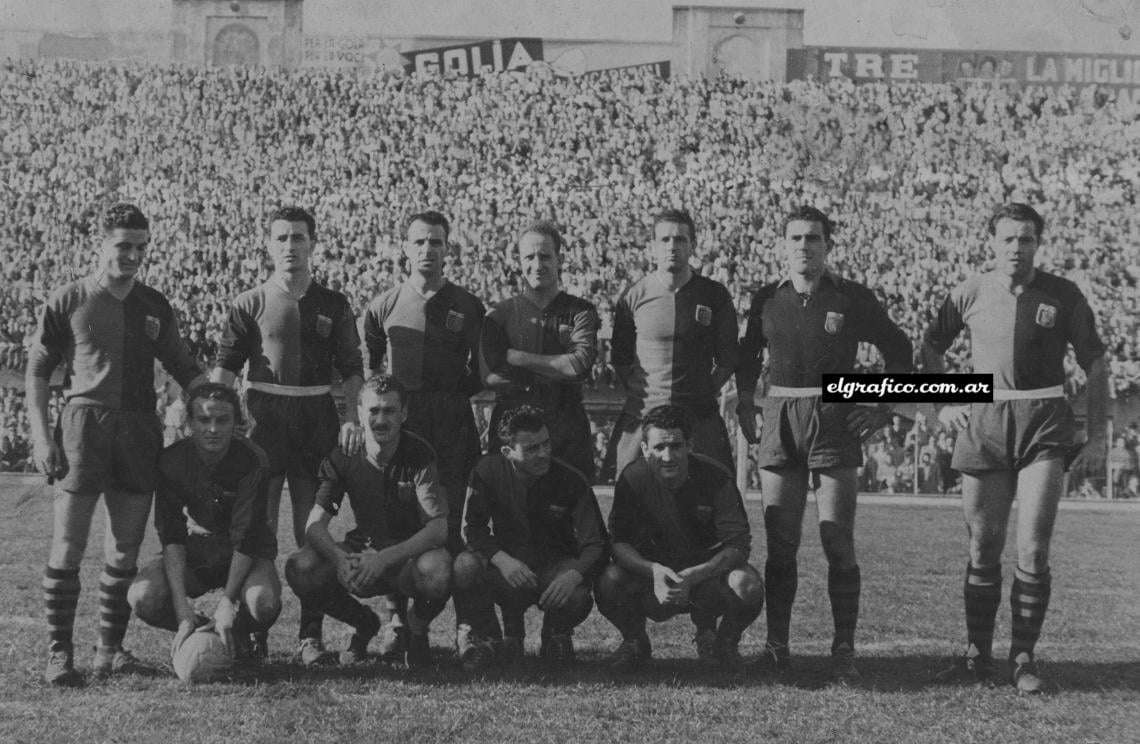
570 436
807 433
208 559
108 449
296 433
448 423
1011 434
710 438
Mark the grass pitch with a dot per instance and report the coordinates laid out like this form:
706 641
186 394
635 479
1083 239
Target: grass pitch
913 558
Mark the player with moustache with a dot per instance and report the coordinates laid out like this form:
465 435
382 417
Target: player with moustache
534 536
811 322
539 346
1022 321
293 332
397 544
210 515
680 542
674 343
426 331
107 329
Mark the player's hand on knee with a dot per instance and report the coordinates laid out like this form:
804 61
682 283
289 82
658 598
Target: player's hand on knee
346 568
668 586
558 593
49 458
516 573
954 416
351 437
370 568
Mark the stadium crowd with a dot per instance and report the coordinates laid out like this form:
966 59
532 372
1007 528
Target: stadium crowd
908 171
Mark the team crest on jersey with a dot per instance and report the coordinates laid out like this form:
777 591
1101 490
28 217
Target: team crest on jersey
1046 315
454 321
833 324
153 327
324 325
704 315
564 332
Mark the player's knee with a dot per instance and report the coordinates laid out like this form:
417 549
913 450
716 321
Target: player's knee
612 583
838 544
747 585
264 604
300 571
433 574
466 570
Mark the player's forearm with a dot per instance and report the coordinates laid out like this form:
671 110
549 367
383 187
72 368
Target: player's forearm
351 388
726 560
240 567
558 367
626 556
1097 398
174 565
317 534
38 394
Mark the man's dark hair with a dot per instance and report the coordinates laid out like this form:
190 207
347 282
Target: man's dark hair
294 214
809 214
677 217
523 418
545 228
219 392
435 219
384 383
123 216
1019 213
666 418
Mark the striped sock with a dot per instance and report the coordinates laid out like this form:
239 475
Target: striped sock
114 611
1028 601
340 605
780 583
844 585
61 595
982 597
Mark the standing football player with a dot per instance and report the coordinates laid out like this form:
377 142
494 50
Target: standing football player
535 537
427 329
674 343
210 514
681 542
107 329
293 332
539 346
397 544
1021 321
811 323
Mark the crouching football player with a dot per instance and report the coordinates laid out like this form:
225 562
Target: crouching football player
401 527
534 536
680 540
210 514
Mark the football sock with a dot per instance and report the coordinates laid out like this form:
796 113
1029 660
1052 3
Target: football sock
114 610
780 583
736 620
61 595
844 585
1028 601
392 609
311 619
703 620
341 605
421 613
982 595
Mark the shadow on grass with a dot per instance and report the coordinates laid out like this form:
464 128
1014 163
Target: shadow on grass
895 674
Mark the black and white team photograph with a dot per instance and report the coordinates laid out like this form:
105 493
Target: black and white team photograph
436 371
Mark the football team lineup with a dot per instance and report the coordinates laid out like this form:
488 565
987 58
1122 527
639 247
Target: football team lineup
437 521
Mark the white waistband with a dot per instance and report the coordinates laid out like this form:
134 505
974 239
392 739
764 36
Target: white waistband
1057 391
291 391
780 391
